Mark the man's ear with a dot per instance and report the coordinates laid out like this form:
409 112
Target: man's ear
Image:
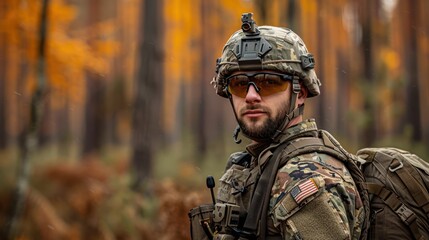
302 95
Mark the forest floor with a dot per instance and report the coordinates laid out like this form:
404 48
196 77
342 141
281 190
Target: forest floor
93 199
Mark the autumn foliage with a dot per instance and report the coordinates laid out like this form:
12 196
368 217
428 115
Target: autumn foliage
371 57
90 200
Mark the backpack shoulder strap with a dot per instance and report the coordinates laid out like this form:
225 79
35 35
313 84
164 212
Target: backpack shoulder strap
255 224
392 200
324 143
327 144
420 194
394 165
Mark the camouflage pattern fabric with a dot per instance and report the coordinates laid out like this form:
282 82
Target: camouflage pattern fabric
284 57
328 207
313 197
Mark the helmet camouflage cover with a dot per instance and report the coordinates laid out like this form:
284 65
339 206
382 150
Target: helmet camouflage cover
265 48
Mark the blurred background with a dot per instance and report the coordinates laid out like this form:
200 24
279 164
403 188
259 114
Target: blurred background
109 126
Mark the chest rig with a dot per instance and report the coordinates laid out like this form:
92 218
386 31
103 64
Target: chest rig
243 189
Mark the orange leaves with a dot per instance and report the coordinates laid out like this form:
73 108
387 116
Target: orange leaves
61 15
69 53
181 36
390 58
106 48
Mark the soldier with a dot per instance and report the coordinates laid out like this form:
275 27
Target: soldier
267 73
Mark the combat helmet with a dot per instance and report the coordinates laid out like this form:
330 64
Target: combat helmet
265 48
256 48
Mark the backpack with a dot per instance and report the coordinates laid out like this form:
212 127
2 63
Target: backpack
398 183
393 185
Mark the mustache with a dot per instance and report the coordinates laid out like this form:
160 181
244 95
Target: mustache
254 107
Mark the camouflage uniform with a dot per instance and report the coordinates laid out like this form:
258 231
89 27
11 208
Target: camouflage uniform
313 197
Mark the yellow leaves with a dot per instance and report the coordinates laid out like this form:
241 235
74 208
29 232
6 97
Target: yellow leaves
25 14
181 33
60 14
238 7
68 54
184 30
390 58
185 24
309 7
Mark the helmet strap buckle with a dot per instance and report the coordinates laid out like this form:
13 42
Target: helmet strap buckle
296 87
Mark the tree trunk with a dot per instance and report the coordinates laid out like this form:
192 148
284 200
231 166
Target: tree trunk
262 6
45 130
367 13
29 136
321 34
3 69
424 71
94 117
202 103
342 90
3 116
412 106
292 15
148 95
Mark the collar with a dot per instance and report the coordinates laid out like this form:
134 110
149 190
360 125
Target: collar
290 133
256 148
308 125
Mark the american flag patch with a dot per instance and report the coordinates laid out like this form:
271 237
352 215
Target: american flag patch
304 190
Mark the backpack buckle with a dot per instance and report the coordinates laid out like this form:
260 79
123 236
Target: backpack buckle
405 214
394 166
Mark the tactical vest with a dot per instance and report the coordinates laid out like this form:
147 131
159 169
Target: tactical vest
241 211
397 180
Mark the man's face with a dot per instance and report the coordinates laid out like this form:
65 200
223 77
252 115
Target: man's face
260 116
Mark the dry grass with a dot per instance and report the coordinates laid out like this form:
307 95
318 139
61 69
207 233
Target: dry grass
89 200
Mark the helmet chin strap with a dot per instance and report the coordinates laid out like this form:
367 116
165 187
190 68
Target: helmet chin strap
292 113
235 135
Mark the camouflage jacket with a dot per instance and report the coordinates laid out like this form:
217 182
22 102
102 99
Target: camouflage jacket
313 196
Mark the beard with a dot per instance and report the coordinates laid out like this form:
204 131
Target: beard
268 127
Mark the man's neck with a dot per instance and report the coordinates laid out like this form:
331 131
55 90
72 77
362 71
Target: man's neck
294 121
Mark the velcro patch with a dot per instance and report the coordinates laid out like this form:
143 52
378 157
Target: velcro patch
304 190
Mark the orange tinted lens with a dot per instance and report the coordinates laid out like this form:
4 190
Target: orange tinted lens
238 85
270 84
266 83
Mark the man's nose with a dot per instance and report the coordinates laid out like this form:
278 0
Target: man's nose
252 94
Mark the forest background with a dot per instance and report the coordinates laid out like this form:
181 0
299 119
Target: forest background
109 126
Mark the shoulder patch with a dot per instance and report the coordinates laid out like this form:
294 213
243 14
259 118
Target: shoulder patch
289 202
304 190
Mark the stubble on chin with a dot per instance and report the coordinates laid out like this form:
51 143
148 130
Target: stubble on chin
256 127
264 128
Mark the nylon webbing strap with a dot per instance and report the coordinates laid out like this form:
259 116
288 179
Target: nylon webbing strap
419 193
262 192
322 144
261 195
393 202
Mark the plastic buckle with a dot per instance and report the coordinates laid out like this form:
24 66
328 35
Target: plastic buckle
296 88
405 214
394 166
307 61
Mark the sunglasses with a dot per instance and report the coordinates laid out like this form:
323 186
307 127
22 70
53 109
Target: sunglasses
265 83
